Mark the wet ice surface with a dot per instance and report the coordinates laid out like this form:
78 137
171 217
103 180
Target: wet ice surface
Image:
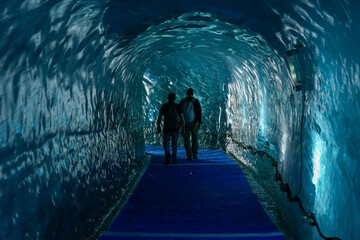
78 104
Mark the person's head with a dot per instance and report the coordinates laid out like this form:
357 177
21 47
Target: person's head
171 97
190 92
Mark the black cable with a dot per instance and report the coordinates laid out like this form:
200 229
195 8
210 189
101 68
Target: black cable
301 141
286 188
283 186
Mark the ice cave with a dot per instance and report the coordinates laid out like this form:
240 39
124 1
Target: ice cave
82 83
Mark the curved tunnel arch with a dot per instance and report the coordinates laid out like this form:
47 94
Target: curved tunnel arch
73 98
233 69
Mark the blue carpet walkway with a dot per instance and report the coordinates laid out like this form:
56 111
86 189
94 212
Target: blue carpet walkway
208 198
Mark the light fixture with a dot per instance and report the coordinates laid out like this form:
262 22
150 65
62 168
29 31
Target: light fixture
302 66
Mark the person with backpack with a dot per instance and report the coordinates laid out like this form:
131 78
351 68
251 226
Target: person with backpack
173 120
191 110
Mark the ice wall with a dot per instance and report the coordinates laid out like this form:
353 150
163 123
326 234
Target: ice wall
70 143
78 101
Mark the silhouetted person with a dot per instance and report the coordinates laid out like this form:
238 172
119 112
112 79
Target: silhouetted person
191 110
173 119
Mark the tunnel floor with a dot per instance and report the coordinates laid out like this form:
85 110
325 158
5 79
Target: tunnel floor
208 198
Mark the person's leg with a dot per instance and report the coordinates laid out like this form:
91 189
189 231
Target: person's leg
194 135
187 143
174 140
166 143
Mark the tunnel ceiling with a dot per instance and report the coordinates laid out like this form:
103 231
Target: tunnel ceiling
129 18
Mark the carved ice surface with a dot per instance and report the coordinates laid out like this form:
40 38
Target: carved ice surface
82 82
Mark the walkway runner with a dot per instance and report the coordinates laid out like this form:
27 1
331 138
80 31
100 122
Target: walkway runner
205 199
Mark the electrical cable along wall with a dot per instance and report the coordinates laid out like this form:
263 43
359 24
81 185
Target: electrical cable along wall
310 217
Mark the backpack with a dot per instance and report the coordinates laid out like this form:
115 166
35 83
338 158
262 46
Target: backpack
171 117
188 110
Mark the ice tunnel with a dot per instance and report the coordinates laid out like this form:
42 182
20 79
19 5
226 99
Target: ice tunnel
82 83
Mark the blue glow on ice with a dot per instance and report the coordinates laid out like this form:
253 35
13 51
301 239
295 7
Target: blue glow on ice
243 115
317 155
262 117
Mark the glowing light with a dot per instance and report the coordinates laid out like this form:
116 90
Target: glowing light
283 144
317 153
147 77
148 84
262 117
293 73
